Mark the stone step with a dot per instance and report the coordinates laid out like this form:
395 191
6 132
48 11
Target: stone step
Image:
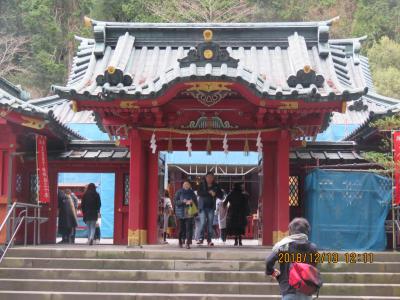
157 264
166 287
196 276
200 253
32 295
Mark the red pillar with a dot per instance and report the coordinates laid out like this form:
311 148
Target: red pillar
137 231
7 147
275 192
3 189
281 223
153 198
268 192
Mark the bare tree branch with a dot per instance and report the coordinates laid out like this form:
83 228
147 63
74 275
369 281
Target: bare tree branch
202 10
12 49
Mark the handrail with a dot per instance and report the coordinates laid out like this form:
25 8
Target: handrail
23 216
8 215
10 242
22 204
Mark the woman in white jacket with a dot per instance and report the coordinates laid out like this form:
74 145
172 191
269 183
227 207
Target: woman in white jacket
222 212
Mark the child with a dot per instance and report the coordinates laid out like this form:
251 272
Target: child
221 211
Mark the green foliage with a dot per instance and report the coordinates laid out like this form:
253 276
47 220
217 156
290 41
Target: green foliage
49 27
51 24
388 123
384 58
377 18
125 10
387 81
383 159
385 125
384 53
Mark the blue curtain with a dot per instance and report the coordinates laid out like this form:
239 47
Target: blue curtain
347 210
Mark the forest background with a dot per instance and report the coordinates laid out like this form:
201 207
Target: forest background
37 36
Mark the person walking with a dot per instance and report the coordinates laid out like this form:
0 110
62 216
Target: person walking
208 192
75 202
237 212
185 200
67 220
296 242
222 213
167 211
91 208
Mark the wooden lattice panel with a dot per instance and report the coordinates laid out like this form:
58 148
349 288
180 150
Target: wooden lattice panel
293 191
126 189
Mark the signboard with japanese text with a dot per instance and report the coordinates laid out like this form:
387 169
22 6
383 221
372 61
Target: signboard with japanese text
42 169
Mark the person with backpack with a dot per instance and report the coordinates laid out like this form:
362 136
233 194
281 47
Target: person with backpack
298 279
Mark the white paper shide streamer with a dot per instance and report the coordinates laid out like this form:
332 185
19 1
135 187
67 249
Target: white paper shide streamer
153 143
225 144
189 145
259 143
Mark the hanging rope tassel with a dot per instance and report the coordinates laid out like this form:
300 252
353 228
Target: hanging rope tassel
246 147
170 146
189 145
259 144
153 143
225 145
209 147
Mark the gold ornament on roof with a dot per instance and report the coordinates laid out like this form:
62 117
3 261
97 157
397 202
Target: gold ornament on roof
208 35
307 69
208 54
111 70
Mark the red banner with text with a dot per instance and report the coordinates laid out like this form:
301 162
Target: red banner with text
396 159
42 169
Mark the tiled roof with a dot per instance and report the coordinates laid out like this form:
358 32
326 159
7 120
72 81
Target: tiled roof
271 57
11 103
13 90
357 111
327 153
62 110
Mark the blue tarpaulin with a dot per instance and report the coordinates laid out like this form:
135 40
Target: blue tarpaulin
347 210
105 183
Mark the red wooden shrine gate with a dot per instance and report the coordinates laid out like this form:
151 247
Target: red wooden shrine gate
266 87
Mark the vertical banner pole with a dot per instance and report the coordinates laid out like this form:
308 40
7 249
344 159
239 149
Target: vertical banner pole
37 169
395 175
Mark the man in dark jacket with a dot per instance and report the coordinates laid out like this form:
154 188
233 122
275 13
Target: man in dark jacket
208 192
296 242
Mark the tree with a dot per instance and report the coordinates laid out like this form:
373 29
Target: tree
51 25
384 58
12 51
384 156
377 18
201 10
